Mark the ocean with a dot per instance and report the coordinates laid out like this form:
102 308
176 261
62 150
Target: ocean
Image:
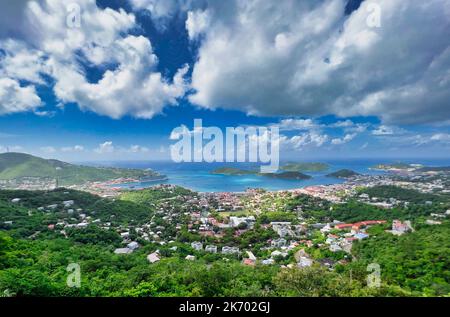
198 177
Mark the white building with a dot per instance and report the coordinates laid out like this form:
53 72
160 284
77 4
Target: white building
153 257
197 246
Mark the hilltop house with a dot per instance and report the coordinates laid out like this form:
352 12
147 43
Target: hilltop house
399 228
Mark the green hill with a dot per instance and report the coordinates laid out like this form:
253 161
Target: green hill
305 167
344 173
241 172
20 165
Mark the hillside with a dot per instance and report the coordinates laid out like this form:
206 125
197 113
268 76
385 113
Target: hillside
288 175
344 173
20 165
241 172
305 167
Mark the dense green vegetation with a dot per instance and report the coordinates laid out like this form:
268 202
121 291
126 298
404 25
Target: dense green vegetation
240 172
287 175
38 268
403 194
151 196
34 257
232 171
20 165
344 173
417 261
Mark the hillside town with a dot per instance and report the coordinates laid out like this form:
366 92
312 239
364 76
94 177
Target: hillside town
218 223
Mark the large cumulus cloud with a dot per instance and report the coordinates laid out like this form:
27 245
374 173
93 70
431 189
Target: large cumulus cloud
130 83
310 58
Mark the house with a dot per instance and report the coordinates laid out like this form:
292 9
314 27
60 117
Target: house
249 262
361 236
197 246
268 262
251 256
230 250
123 251
236 221
133 245
125 234
277 253
190 258
335 248
15 200
399 228
211 248
68 203
304 262
153 257
278 243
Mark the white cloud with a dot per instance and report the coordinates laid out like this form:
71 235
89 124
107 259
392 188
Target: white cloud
76 148
347 138
104 148
197 22
138 149
441 137
384 130
131 87
297 124
308 58
311 139
16 98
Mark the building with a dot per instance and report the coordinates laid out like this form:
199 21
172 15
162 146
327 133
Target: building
237 221
304 262
361 236
249 262
278 243
153 257
335 248
133 245
123 251
211 248
190 258
230 250
399 228
197 245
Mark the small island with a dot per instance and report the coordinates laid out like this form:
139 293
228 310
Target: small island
396 166
288 175
305 167
241 172
232 171
343 173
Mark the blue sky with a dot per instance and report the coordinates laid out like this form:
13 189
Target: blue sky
333 74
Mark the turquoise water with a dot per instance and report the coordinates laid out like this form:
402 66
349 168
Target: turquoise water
197 176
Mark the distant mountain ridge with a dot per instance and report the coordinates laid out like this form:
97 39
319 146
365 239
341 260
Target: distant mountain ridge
21 165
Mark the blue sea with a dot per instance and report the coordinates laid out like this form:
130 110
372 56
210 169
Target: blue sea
197 176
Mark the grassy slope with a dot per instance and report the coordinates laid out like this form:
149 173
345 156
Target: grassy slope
17 165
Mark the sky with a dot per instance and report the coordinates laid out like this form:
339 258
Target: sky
90 80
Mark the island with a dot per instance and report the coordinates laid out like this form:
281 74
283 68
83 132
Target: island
232 171
305 167
288 175
396 166
241 172
343 173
